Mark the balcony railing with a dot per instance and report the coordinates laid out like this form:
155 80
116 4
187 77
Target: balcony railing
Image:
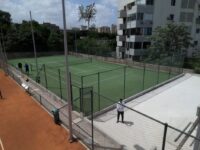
122 14
122 49
122 26
122 38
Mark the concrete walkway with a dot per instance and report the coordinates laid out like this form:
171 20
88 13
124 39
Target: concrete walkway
174 103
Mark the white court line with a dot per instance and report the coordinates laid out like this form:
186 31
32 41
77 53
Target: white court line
2 148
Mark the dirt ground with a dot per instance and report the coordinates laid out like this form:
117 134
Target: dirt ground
24 125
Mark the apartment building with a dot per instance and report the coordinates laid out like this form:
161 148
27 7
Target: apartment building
138 18
113 28
104 29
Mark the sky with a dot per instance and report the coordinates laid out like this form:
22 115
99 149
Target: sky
51 11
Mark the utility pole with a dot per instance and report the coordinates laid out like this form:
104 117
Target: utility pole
34 47
68 87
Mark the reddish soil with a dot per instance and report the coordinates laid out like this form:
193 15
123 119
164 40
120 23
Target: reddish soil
24 125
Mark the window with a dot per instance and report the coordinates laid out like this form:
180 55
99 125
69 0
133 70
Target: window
149 2
171 17
123 44
186 17
188 4
133 31
147 31
132 17
138 31
137 45
148 17
130 44
140 16
195 43
173 2
197 30
141 2
191 4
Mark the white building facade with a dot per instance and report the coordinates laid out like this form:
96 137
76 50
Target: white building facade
138 18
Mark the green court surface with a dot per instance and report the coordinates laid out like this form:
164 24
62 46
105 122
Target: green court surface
109 81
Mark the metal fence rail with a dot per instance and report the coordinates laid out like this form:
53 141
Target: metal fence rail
158 136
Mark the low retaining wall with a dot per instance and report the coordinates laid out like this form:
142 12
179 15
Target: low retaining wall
130 63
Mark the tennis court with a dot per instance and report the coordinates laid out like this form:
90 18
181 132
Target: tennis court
109 81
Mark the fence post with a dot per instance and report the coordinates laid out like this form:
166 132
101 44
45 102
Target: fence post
70 76
169 72
143 84
60 84
40 99
92 119
81 95
99 91
31 67
124 82
196 142
164 136
158 71
45 75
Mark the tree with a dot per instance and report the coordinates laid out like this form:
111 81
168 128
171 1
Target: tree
87 13
5 21
169 40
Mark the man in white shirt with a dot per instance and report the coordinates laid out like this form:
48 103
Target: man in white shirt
120 110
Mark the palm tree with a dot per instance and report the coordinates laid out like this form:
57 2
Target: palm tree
87 13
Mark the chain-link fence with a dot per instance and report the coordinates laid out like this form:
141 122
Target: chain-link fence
149 133
116 81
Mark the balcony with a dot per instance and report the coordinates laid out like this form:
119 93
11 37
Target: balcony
145 8
122 14
144 23
122 49
122 26
122 38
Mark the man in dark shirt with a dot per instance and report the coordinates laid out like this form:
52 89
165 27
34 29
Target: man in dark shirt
20 66
26 68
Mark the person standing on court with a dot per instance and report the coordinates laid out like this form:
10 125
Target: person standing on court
20 66
120 110
26 68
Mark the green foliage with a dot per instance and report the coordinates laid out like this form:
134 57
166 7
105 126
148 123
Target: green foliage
94 46
192 63
49 37
5 21
55 41
169 40
197 70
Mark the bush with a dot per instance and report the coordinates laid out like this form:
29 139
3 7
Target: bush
197 70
